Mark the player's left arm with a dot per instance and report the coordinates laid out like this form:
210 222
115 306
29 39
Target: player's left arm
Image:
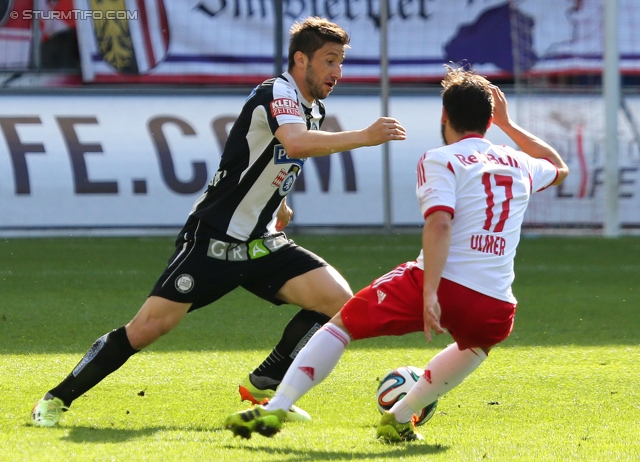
436 237
528 142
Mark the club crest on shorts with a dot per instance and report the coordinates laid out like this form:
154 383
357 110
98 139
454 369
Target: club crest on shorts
184 283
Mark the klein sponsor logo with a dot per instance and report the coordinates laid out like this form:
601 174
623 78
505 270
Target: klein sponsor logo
281 106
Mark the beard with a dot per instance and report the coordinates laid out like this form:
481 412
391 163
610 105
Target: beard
315 89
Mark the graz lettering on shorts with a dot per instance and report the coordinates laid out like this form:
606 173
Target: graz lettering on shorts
488 243
245 251
281 106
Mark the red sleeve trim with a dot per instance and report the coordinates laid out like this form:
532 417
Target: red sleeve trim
438 208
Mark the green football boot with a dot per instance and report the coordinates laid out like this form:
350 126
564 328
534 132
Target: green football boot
390 431
257 419
249 392
47 412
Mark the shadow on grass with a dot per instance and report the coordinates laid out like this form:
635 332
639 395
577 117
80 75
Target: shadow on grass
84 435
394 452
89 435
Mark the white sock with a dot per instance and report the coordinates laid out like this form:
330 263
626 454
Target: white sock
311 366
444 372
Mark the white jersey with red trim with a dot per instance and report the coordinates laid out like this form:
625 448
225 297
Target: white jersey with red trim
486 188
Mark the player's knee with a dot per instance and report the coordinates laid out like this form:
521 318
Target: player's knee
141 334
328 309
337 302
341 283
330 298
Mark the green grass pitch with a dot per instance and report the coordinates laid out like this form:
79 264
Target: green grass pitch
565 385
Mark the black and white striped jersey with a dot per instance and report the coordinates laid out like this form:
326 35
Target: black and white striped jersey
255 172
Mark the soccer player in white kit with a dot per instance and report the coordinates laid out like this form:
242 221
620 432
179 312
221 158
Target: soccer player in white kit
472 195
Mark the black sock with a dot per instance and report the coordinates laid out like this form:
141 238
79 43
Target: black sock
302 326
106 355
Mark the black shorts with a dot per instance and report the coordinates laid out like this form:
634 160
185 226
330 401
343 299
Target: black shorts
203 269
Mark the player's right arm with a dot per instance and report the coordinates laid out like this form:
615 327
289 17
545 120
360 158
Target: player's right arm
528 142
299 143
436 237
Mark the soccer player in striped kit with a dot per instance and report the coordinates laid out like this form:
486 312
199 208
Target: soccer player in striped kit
472 195
233 236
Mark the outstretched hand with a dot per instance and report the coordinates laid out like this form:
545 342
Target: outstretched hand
385 129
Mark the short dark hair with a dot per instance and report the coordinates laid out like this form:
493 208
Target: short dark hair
311 34
467 99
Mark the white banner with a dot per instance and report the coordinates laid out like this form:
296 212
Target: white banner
125 161
209 41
